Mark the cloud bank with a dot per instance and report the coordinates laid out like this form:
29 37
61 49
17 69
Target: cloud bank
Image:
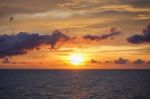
22 42
121 61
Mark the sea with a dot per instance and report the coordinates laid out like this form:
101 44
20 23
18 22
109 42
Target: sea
74 84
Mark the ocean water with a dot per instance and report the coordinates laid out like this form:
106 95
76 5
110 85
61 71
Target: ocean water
74 84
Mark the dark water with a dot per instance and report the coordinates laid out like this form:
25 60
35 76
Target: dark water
74 84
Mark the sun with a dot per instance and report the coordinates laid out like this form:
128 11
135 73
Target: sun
76 59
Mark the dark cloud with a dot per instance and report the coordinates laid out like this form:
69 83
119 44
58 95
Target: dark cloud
95 61
107 61
22 42
7 61
113 31
148 62
121 61
57 36
145 37
139 61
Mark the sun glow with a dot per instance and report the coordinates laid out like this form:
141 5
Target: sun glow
76 59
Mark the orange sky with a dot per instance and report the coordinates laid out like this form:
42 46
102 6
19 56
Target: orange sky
102 31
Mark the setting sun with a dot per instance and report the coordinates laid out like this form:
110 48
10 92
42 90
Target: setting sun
76 59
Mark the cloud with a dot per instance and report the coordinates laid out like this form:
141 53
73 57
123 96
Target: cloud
22 42
13 7
137 3
113 31
121 61
57 37
142 17
95 61
51 14
6 60
124 8
145 37
139 61
107 61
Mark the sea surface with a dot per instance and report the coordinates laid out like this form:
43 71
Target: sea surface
74 84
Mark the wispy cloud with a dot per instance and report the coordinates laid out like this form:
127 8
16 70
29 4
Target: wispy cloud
113 31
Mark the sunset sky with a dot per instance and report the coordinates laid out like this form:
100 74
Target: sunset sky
75 34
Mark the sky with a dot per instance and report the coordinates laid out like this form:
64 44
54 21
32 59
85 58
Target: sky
46 34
